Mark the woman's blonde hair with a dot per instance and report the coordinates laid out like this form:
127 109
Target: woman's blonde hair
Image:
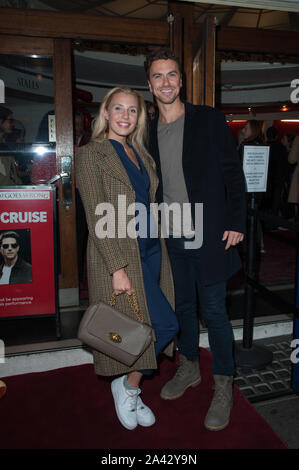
101 125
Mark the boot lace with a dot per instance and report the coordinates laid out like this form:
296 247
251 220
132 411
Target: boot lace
220 396
181 371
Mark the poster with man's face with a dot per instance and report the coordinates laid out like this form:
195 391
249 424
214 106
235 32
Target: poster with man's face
15 257
27 251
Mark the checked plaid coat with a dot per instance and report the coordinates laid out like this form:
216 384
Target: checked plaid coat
101 177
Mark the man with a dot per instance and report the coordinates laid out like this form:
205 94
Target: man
13 269
8 168
81 136
277 173
6 122
151 111
197 162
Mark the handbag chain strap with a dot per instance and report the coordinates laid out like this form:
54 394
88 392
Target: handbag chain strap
133 302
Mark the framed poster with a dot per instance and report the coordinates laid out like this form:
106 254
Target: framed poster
28 280
255 167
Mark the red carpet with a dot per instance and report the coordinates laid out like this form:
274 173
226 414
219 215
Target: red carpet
71 408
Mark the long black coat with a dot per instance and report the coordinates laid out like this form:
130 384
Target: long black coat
214 177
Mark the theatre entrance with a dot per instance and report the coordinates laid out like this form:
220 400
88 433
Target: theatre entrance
39 60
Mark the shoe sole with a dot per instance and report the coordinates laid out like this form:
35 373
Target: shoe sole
145 425
119 417
216 428
174 397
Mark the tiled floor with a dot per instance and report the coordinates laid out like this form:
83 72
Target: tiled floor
271 393
275 379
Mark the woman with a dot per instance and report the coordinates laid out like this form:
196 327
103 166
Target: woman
115 163
253 135
252 132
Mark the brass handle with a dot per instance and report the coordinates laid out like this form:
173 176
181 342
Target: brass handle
133 302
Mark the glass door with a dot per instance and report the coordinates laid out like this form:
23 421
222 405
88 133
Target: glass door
36 135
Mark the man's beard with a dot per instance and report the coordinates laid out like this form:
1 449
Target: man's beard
167 100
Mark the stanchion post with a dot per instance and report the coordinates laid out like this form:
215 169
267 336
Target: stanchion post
248 355
249 298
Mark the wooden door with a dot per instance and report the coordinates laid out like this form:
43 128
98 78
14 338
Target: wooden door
38 84
204 65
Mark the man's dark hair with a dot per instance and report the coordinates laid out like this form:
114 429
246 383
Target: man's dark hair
272 133
10 235
164 53
4 113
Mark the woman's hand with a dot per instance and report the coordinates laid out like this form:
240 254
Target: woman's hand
121 283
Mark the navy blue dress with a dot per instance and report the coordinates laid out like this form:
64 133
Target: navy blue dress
163 318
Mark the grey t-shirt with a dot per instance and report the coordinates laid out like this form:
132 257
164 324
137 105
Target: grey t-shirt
170 141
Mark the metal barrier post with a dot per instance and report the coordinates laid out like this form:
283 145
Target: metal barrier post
249 303
248 355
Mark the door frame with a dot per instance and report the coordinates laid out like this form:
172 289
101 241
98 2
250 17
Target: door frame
204 65
60 51
19 31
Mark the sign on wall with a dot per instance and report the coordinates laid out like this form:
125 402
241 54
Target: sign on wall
255 167
27 251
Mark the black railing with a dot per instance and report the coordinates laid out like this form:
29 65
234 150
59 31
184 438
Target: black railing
248 355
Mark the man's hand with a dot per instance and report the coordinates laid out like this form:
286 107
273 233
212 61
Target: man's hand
233 238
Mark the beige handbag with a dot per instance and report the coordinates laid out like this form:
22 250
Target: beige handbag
114 333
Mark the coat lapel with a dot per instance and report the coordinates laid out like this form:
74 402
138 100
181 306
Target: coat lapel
111 163
154 181
194 144
189 128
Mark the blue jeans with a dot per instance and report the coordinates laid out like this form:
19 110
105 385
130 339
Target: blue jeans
212 299
163 319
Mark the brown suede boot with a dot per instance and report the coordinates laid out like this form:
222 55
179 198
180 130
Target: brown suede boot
219 412
187 375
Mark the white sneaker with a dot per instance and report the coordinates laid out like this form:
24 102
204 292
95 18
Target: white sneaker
125 402
145 416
